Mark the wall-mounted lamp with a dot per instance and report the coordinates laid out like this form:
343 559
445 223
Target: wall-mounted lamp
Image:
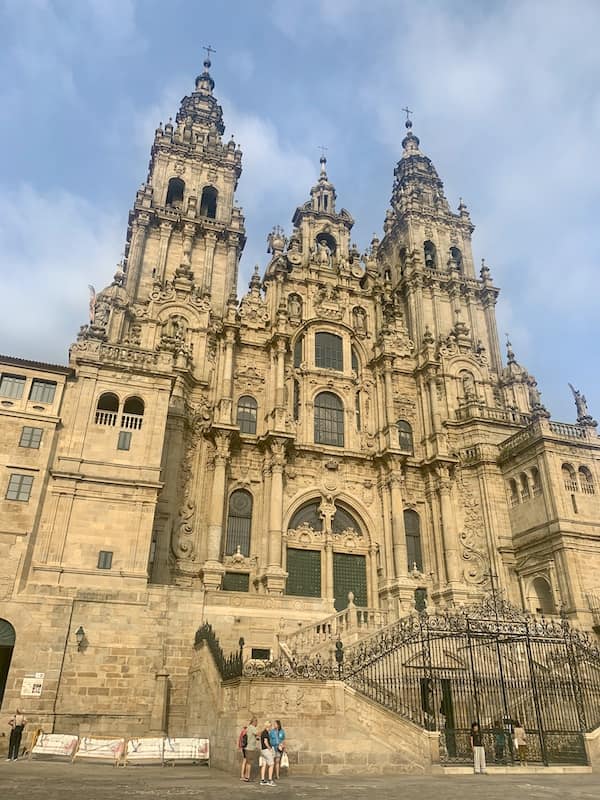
80 636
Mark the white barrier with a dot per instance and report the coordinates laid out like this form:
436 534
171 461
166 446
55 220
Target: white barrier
100 749
55 745
145 750
186 749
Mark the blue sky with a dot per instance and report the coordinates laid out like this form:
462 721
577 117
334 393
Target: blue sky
506 102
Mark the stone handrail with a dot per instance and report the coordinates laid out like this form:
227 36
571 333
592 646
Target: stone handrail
478 410
352 619
568 430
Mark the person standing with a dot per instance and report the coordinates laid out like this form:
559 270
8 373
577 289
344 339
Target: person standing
277 737
521 743
251 747
268 756
242 742
479 766
499 743
17 722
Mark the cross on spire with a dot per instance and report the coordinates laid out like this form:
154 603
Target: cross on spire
209 50
408 113
323 150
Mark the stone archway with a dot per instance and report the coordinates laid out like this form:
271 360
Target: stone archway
7 645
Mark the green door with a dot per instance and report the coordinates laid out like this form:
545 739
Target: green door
349 575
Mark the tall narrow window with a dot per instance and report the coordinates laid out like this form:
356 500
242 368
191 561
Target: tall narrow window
405 436
175 193
298 353
513 493
239 523
586 481
12 386
430 255
208 202
355 362
412 526
357 411
246 414
328 351
329 419
296 401
456 256
569 478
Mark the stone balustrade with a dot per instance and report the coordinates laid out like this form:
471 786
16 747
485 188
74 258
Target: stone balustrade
476 410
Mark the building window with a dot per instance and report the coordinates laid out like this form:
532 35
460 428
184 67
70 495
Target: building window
236 582
344 521
106 409
42 391
208 202
543 600
430 255
357 410
246 414
298 353
296 401
19 487
304 572
569 478
586 480
329 351
456 256
535 482
105 559
124 441
239 523
175 192
12 386
524 482
31 437
307 515
329 420
355 362
261 654
412 527
514 493
405 436
133 413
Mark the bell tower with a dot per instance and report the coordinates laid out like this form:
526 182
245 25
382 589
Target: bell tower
184 225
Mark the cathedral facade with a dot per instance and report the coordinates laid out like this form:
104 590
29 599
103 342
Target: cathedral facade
347 432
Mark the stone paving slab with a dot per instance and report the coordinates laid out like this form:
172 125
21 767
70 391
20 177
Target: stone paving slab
57 781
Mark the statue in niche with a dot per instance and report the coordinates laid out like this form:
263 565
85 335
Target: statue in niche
323 254
177 328
359 320
294 307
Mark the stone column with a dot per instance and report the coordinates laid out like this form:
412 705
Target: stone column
233 243
158 718
373 577
210 242
327 577
280 374
166 228
449 533
136 251
225 404
274 578
398 531
389 396
213 568
489 296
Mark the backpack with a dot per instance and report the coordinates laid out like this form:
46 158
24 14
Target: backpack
243 739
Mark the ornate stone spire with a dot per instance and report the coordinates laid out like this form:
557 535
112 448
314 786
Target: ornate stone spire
201 108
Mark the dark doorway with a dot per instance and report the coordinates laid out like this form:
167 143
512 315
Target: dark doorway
7 645
349 575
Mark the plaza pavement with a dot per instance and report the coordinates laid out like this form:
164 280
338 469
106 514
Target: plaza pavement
39 780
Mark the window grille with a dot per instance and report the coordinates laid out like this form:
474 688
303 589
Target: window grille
239 523
236 582
304 572
246 414
329 420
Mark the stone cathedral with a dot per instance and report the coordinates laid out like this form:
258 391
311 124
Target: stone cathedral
344 432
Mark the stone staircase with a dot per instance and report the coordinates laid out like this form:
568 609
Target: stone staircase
318 638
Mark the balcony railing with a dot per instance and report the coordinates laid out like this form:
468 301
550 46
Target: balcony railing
106 418
475 410
131 422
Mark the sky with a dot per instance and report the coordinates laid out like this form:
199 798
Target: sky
506 102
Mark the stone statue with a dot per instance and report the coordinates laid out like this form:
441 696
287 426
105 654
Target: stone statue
580 404
359 320
323 254
92 303
294 307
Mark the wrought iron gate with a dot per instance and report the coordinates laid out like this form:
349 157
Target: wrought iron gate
494 664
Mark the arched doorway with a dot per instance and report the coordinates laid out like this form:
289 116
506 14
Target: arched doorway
7 645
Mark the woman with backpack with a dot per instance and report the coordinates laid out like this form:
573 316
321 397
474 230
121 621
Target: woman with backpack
242 742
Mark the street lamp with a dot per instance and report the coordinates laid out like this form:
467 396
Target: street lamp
80 636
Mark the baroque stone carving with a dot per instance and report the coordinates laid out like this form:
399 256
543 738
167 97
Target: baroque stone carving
472 537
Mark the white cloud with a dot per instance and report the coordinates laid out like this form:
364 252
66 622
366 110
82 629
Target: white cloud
53 246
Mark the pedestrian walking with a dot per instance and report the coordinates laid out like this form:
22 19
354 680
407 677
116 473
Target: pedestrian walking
479 766
17 722
520 743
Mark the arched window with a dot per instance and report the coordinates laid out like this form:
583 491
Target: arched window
524 484
239 523
329 351
208 202
412 527
535 482
586 481
307 515
430 255
298 348
246 414
343 521
329 419
569 478
543 600
133 413
514 493
456 256
175 193
7 644
106 409
405 436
